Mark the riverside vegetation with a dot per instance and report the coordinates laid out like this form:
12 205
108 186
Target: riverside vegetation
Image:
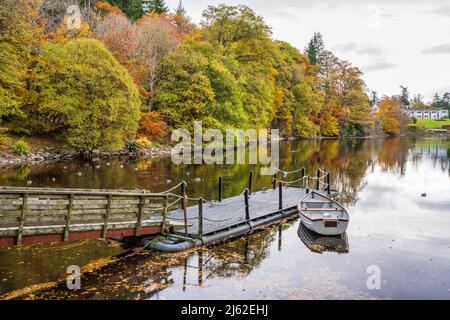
124 78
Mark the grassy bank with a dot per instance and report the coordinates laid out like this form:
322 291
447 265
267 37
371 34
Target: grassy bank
433 123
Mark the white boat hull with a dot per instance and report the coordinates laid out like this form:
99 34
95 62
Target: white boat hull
319 227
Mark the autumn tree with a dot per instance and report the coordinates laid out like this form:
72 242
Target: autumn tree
20 33
244 39
86 93
184 91
389 115
156 37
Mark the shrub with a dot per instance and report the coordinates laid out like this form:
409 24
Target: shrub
21 147
90 96
134 145
414 120
153 126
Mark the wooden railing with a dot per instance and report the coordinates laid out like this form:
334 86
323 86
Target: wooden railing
32 211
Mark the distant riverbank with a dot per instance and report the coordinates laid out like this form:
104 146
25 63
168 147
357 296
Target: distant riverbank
48 149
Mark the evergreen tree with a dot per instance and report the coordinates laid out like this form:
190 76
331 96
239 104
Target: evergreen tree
181 11
134 9
156 6
315 49
404 97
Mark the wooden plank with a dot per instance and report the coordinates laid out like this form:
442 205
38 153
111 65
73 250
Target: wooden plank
68 218
22 218
108 212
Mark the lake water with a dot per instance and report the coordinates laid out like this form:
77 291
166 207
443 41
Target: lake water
397 191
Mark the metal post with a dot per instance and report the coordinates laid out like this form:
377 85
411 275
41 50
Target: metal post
280 195
220 188
328 184
303 175
164 216
250 181
183 194
274 181
200 218
247 209
318 180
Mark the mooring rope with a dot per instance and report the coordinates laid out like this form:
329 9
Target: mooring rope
290 182
173 188
288 172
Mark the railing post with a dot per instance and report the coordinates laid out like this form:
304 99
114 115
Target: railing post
220 188
274 180
303 175
250 181
328 184
280 195
183 194
23 210
105 220
164 216
140 213
318 180
247 209
68 218
200 218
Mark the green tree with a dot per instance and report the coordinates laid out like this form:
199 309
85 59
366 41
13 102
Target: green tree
134 9
184 92
404 96
86 93
156 6
18 29
244 40
315 49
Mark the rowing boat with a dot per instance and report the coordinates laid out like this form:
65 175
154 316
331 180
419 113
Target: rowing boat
322 214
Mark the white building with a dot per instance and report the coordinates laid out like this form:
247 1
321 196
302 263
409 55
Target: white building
429 114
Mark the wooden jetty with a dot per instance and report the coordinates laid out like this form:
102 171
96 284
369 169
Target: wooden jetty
44 215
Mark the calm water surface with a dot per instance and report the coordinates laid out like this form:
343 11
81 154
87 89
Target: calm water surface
393 229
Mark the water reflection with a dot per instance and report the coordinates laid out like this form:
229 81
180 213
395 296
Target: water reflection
320 244
380 181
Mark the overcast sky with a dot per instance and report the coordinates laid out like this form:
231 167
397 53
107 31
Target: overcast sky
394 42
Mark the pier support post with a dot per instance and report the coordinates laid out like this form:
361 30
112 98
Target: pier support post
220 189
250 181
200 218
318 180
328 184
247 209
280 195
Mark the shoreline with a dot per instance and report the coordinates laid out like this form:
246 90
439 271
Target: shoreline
48 155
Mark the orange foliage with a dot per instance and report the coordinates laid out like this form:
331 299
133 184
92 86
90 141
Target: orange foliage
153 126
105 8
389 114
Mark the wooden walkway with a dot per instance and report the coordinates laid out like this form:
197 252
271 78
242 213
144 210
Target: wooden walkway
231 212
42 215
